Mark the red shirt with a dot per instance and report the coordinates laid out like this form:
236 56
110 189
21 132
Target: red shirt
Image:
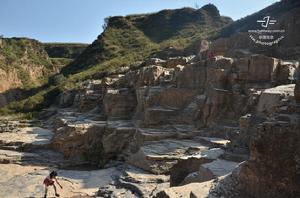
48 181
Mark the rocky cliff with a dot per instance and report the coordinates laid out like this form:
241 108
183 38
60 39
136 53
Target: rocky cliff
24 64
222 122
274 158
181 112
125 42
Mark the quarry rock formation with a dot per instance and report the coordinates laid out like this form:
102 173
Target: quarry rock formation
170 129
220 123
204 114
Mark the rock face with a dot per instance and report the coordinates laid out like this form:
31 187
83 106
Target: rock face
24 63
181 122
159 118
273 147
280 153
119 104
84 140
274 98
262 74
223 123
76 139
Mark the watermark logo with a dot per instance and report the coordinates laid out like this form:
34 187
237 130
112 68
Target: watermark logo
266 35
266 21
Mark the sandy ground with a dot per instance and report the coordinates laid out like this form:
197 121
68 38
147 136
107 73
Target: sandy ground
27 181
22 173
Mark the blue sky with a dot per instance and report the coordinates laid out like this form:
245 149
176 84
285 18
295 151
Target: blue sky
81 20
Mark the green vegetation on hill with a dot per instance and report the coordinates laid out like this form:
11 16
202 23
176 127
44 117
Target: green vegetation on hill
137 36
64 50
27 58
62 54
125 41
171 26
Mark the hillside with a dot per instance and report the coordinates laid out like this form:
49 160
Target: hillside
134 37
126 41
24 64
62 54
235 38
64 50
275 10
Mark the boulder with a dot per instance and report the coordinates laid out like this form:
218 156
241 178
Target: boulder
24 137
219 46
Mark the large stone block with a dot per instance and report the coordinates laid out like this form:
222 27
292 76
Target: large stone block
272 98
117 140
274 162
119 103
77 140
262 68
